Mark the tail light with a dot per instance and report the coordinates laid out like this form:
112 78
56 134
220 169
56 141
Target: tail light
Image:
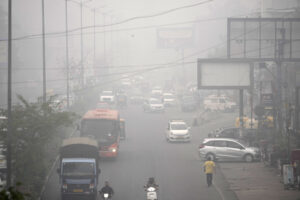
201 146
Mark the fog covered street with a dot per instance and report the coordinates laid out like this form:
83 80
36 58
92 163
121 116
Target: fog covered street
146 153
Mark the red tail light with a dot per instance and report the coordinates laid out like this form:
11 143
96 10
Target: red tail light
201 146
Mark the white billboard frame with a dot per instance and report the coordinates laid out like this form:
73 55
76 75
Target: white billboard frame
205 64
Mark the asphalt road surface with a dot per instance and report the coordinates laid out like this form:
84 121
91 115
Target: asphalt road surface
146 153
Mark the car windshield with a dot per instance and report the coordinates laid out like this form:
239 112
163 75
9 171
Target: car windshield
78 168
178 126
154 101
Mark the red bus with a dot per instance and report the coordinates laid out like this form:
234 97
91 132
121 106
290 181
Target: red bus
104 126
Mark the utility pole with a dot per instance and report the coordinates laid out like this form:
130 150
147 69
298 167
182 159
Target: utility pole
44 57
81 47
183 67
94 10
111 40
9 117
67 54
241 108
279 80
104 40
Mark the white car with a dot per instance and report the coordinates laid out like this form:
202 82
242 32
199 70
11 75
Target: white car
227 149
108 97
153 105
218 103
156 92
177 130
168 99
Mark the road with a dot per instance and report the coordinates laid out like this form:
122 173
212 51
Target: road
145 153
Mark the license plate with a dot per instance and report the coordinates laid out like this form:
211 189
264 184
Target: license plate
78 190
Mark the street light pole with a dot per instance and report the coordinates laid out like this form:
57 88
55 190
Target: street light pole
81 47
44 57
104 41
9 117
94 37
67 54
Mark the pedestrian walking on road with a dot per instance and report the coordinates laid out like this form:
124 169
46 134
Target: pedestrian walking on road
209 168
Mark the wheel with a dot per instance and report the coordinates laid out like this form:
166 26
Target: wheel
248 158
211 156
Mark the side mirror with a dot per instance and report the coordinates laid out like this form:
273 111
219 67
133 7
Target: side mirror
58 170
77 127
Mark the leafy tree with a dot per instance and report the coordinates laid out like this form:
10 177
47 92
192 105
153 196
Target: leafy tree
13 194
33 126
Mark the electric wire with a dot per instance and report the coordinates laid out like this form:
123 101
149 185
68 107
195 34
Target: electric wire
116 23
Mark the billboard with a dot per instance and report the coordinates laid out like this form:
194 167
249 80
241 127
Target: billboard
224 74
261 38
176 38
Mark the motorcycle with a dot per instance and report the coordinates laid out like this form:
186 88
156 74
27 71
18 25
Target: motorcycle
151 193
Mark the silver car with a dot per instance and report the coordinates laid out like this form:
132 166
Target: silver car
153 105
227 149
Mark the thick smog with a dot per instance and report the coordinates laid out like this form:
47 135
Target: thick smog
154 100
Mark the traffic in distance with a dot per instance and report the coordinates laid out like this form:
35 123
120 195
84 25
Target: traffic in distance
105 134
154 100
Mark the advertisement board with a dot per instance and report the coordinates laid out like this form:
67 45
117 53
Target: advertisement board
224 74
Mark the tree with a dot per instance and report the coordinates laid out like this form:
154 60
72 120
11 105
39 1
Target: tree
13 194
33 126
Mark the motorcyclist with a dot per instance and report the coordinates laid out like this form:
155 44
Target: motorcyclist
151 183
107 190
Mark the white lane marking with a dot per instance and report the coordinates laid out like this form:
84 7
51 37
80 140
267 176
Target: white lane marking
219 191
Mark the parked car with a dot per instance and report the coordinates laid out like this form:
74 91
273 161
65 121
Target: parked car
177 130
188 103
227 149
153 105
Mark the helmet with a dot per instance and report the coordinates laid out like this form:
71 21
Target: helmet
151 180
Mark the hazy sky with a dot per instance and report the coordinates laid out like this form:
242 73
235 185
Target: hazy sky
137 46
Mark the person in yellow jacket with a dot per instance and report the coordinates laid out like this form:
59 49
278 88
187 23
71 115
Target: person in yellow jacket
209 168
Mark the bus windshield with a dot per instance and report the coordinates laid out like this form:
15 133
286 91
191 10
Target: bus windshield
78 169
104 131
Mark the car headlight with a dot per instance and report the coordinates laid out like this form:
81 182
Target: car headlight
113 150
65 186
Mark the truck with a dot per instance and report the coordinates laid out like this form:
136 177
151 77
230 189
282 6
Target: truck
79 168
